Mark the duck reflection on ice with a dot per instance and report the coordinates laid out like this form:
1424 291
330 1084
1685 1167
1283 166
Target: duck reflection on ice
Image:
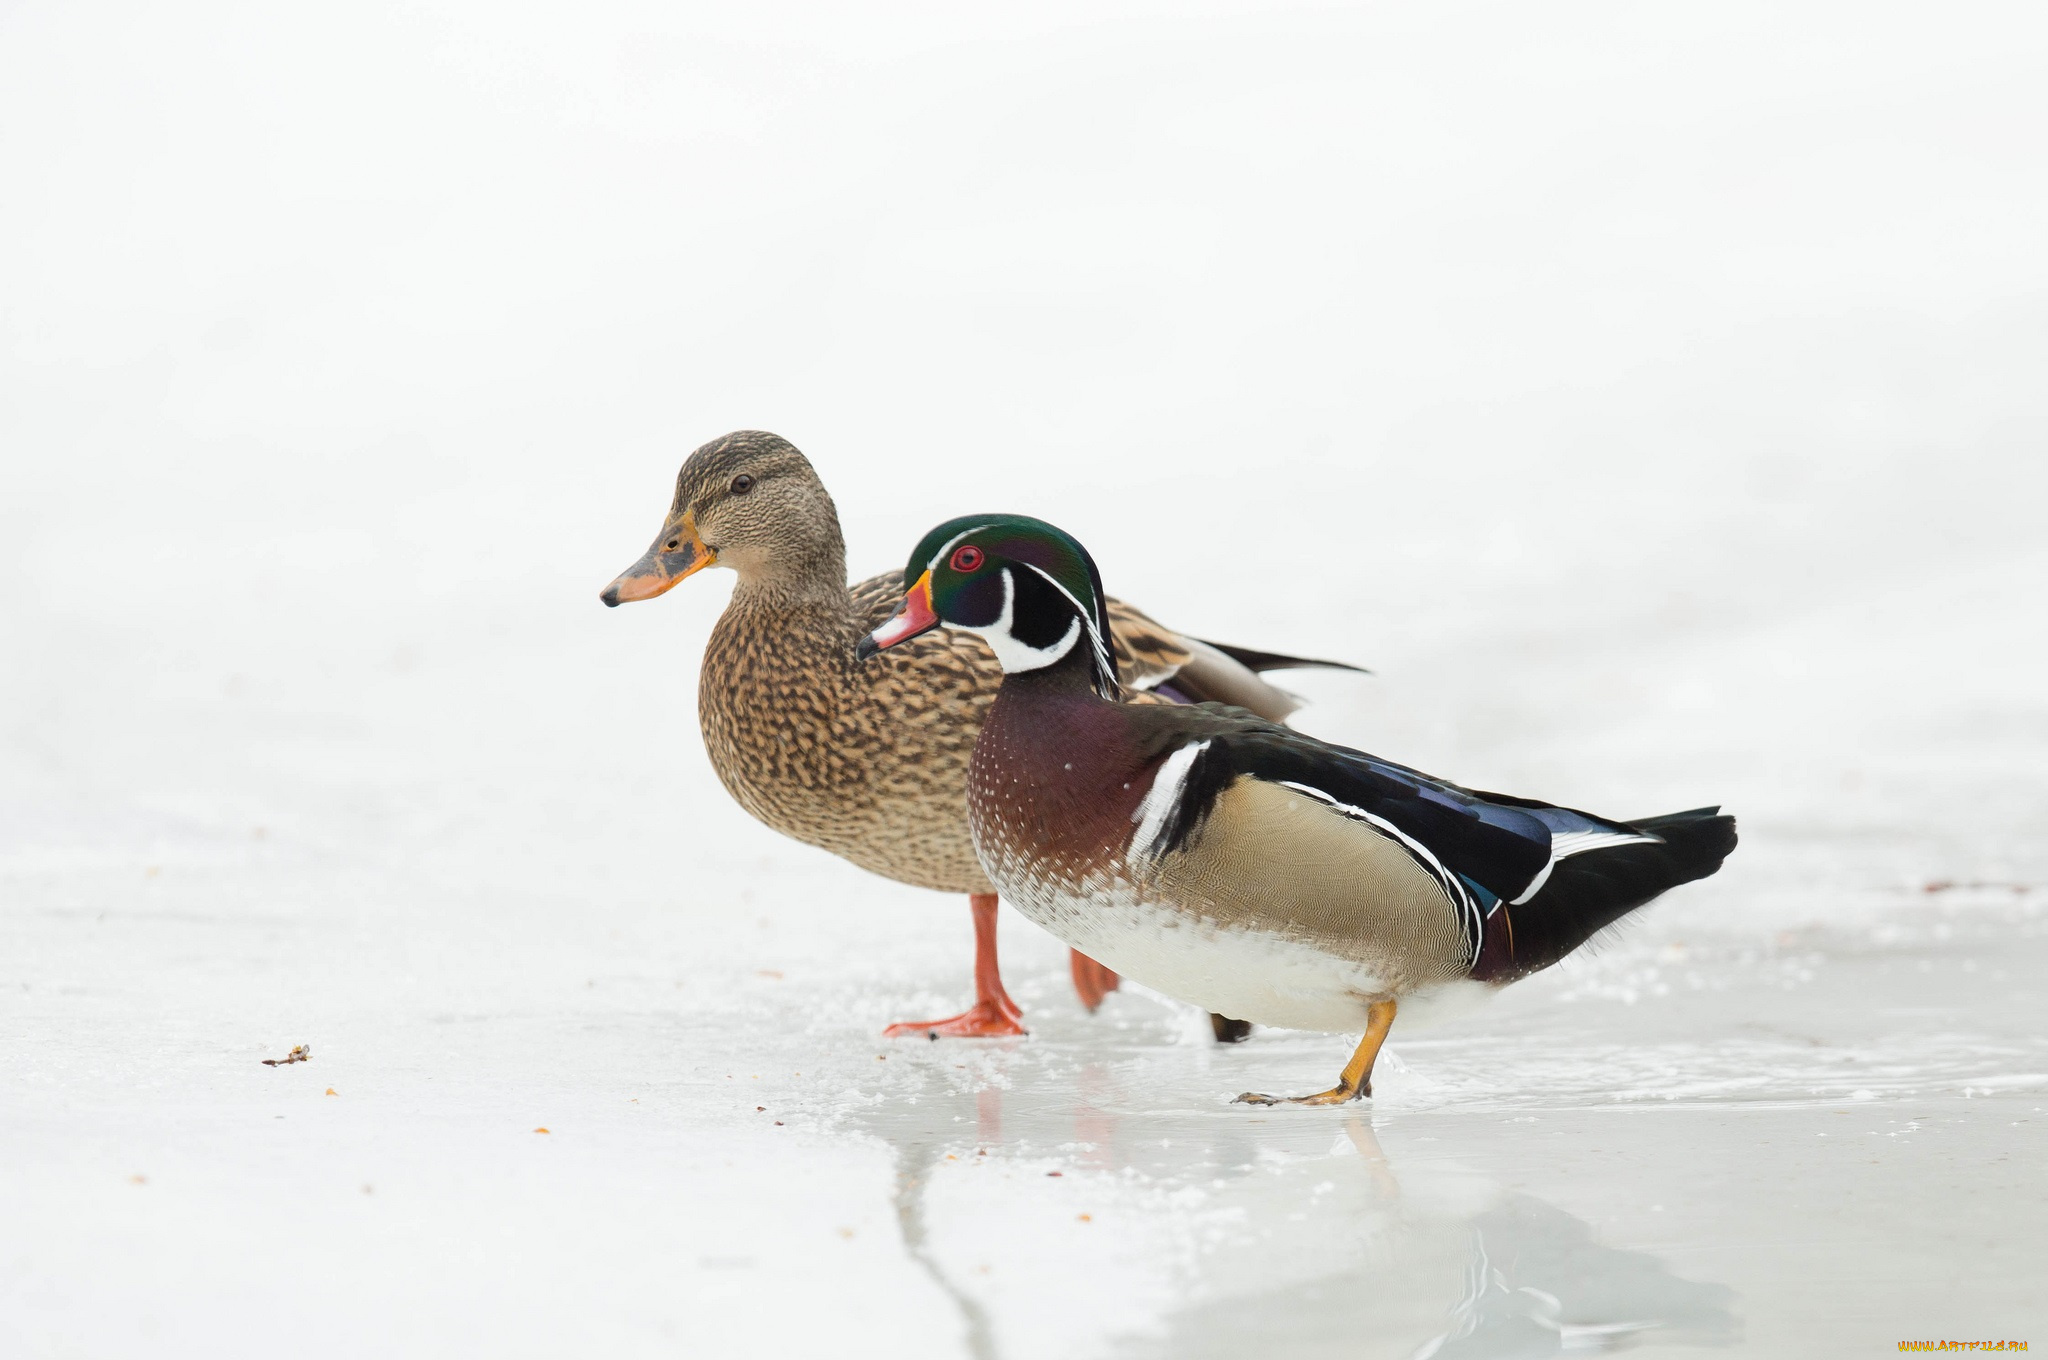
1246 1235
1453 1269
1538 1284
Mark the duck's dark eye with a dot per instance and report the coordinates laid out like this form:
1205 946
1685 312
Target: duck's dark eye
966 558
742 484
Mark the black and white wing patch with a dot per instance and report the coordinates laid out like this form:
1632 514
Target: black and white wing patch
1483 849
1163 813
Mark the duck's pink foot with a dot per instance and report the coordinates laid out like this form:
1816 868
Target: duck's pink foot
990 1018
1092 981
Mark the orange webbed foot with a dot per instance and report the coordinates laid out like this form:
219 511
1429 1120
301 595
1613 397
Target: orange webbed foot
1092 981
987 1019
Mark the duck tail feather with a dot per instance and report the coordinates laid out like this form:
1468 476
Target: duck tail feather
1255 660
1588 892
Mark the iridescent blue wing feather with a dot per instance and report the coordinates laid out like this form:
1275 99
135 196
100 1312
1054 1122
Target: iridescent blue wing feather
1485 850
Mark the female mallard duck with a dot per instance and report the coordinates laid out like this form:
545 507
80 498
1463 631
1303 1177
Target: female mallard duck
871 762
1235 863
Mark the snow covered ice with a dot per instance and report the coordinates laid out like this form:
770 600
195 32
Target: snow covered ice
1651 400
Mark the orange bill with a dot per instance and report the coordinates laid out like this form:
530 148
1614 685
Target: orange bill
916 617
676 553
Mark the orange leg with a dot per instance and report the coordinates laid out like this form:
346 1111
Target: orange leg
1356 1080
1092 981
993 1014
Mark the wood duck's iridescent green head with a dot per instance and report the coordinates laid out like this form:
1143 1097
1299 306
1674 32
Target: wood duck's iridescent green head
1024 586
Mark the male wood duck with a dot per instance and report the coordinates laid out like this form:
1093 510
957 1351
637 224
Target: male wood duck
1232 862
870 762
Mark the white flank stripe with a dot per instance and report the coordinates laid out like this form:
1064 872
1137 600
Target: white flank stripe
1162 798
1104 664
1453 886
1536 883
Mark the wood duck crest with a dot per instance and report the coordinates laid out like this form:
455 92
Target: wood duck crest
1223 858
871 761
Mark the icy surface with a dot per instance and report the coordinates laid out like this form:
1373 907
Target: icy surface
1654 404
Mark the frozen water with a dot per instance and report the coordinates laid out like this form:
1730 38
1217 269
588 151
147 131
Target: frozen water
1652 400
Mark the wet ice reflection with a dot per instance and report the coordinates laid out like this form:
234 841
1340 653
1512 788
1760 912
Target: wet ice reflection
1537 1282
1230 1232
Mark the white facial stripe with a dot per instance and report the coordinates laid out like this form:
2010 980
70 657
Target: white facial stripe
1014 655
1162 798
1087 617
948 545
1016 658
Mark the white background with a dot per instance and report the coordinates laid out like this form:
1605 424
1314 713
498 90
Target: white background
1652 397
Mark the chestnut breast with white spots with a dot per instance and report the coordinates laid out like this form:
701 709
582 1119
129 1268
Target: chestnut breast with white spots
1231 923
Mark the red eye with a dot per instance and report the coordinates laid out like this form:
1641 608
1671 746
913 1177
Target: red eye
967 558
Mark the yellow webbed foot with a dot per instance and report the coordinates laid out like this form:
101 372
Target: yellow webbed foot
1336 1095
1356 1081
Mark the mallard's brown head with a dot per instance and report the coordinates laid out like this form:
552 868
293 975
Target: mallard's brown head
748 501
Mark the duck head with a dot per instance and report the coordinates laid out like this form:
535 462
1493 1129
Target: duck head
748 501
1025 587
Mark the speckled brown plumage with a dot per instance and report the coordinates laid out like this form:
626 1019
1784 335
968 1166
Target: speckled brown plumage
867 761
1225 859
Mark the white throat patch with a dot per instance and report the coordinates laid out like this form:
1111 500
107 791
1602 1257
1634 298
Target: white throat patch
1015 656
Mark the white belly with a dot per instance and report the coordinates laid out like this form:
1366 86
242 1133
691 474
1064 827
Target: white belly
1241 972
